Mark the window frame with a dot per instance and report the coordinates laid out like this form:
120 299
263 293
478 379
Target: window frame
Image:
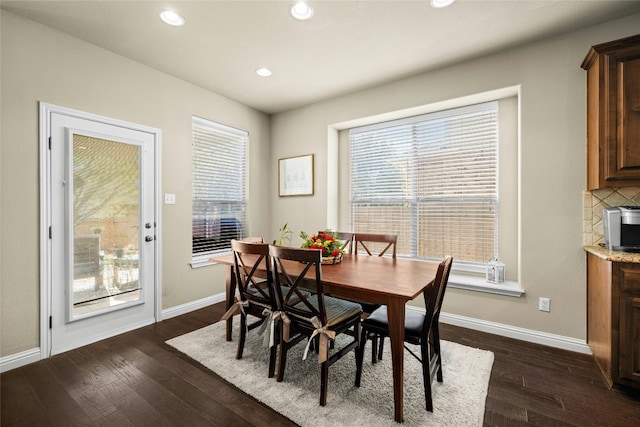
337 168
228 136
413 193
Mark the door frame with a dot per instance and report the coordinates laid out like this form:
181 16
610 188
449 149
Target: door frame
45 256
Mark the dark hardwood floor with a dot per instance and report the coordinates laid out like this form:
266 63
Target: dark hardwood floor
135 379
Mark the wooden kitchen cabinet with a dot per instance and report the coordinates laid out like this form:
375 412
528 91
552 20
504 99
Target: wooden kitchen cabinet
613 114
613 319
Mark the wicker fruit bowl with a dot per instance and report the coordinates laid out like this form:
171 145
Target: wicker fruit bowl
328 260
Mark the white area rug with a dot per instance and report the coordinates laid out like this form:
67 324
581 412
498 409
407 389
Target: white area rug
458 401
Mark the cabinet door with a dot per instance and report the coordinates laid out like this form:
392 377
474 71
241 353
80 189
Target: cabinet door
629 344
628 135
613 114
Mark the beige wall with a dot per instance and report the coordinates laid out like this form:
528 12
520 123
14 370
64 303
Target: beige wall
39 64
552 169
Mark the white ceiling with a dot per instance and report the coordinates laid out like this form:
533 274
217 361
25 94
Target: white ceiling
346 46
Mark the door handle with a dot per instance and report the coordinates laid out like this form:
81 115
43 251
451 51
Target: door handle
149 238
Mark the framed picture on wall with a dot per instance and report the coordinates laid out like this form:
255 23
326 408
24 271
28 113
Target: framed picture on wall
295 176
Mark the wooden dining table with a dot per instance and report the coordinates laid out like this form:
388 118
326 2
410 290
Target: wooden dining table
381 280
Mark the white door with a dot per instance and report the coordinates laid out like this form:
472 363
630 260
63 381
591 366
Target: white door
103 228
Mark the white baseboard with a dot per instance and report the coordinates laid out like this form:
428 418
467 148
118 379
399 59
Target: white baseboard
529 335
17 360
192 306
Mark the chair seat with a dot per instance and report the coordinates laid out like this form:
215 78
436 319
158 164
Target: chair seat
338 310
414 321
420 328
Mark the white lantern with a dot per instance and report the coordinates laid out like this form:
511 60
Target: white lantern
495 271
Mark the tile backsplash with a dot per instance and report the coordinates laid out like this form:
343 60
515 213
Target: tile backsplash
595 201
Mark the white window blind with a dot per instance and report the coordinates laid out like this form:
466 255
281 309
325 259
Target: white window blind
219 175
432 180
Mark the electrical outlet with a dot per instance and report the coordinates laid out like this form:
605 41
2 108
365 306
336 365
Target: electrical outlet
169 199
544 304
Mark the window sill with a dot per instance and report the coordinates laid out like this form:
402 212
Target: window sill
479 284
200 263
205 260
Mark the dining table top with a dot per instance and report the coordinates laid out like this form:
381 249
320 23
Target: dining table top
379 278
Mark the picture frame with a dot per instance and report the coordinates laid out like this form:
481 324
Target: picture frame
295 176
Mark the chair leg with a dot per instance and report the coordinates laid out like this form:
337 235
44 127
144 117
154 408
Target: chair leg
362 335
272 361
243 336
381 347
324 382
426 375
273 351
273 356
282 359
436 349
374 348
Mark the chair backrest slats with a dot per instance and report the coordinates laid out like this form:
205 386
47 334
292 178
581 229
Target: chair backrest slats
361 240
347 241
309 269
433 295
247 259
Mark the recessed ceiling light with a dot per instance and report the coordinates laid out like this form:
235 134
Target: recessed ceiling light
171 18
301 11
264 72
439 4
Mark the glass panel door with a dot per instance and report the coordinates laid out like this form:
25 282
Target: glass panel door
104 207
102 249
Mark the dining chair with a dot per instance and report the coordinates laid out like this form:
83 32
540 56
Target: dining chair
256 296
420 329
347 241
252 239
316 317
368 241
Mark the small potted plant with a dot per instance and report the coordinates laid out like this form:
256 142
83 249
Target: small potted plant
285 235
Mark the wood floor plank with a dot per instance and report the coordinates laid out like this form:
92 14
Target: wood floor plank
114 419
80 379
110 357
133 407
61 407
177 410
19 402
506 410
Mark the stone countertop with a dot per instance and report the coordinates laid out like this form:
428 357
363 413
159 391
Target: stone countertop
614 256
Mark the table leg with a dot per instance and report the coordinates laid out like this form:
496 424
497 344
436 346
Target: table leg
395 310
231 293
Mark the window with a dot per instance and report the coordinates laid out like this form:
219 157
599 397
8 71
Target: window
219 191
432 180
